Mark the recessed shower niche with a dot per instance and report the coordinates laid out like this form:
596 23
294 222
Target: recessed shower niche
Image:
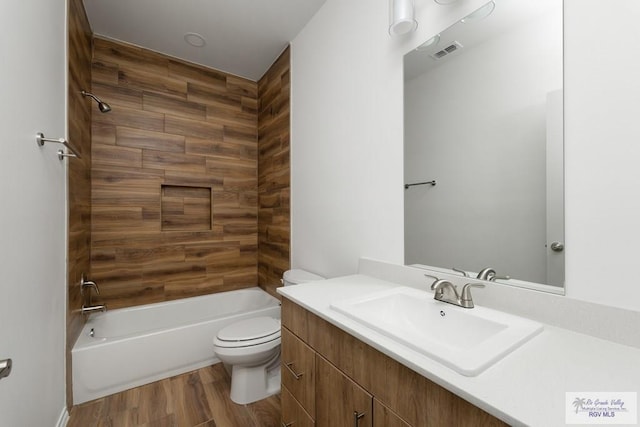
185 208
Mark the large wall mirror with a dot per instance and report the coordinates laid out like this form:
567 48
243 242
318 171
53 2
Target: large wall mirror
483 119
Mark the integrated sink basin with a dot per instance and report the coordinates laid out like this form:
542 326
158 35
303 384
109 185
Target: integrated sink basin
466 340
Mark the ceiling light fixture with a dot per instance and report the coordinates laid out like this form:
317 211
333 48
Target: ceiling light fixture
479 14
402 17
195 39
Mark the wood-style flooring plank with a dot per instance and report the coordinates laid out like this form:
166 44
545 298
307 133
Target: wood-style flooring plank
192 407
265 413
86 415
227 413
156 403
194 399
166 421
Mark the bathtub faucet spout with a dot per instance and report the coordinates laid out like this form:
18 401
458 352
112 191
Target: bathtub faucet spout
93 308
85 292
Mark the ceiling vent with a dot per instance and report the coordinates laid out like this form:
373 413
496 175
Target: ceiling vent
453 47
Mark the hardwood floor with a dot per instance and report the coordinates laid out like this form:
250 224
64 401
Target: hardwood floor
195 399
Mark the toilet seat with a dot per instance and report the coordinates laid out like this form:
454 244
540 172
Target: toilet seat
249 332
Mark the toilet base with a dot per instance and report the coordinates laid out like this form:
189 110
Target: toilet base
250 384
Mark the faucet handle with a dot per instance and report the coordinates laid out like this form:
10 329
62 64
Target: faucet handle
435 279
459 270
439 285
439 291
465 296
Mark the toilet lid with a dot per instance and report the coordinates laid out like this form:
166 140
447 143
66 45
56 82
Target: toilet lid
250 330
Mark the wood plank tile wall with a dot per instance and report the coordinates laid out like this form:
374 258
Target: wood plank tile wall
176 125
79 172
274 173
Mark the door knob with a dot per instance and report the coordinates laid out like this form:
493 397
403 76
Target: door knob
5 368
557 247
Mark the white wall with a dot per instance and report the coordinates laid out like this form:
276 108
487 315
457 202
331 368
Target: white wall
602 146
32 217
346 148
345 154
488 207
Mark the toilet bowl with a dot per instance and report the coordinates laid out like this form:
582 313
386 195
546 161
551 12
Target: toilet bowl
252 348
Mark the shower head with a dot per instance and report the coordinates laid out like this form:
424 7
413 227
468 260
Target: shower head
102 106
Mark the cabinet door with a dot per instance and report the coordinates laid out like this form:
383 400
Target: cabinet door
298 370
385 417
340 402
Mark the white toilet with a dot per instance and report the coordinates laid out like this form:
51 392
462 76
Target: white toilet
252 348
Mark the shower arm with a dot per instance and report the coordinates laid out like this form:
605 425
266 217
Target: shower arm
85 93
102 106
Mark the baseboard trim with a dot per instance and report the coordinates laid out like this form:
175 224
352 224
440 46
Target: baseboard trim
63 419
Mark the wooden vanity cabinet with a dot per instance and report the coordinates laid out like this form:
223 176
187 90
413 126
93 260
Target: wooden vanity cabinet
351 377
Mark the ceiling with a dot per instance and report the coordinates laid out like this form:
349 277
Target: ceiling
506 16
243 37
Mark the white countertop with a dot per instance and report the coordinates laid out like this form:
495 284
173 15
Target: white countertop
527 387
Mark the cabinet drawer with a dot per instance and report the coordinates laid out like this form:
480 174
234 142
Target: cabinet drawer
294 318
298 370
293 415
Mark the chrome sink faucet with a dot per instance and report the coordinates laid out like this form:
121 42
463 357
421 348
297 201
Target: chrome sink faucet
446 291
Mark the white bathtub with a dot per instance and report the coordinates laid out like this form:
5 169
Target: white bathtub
135 346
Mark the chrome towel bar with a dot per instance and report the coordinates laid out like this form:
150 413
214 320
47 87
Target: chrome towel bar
40 139
433 183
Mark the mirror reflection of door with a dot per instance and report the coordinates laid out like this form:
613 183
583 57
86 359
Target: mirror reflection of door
555 189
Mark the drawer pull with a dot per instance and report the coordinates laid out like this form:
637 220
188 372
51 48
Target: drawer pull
295 375
287 424
356 418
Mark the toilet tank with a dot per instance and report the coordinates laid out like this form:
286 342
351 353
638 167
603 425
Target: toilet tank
297 276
